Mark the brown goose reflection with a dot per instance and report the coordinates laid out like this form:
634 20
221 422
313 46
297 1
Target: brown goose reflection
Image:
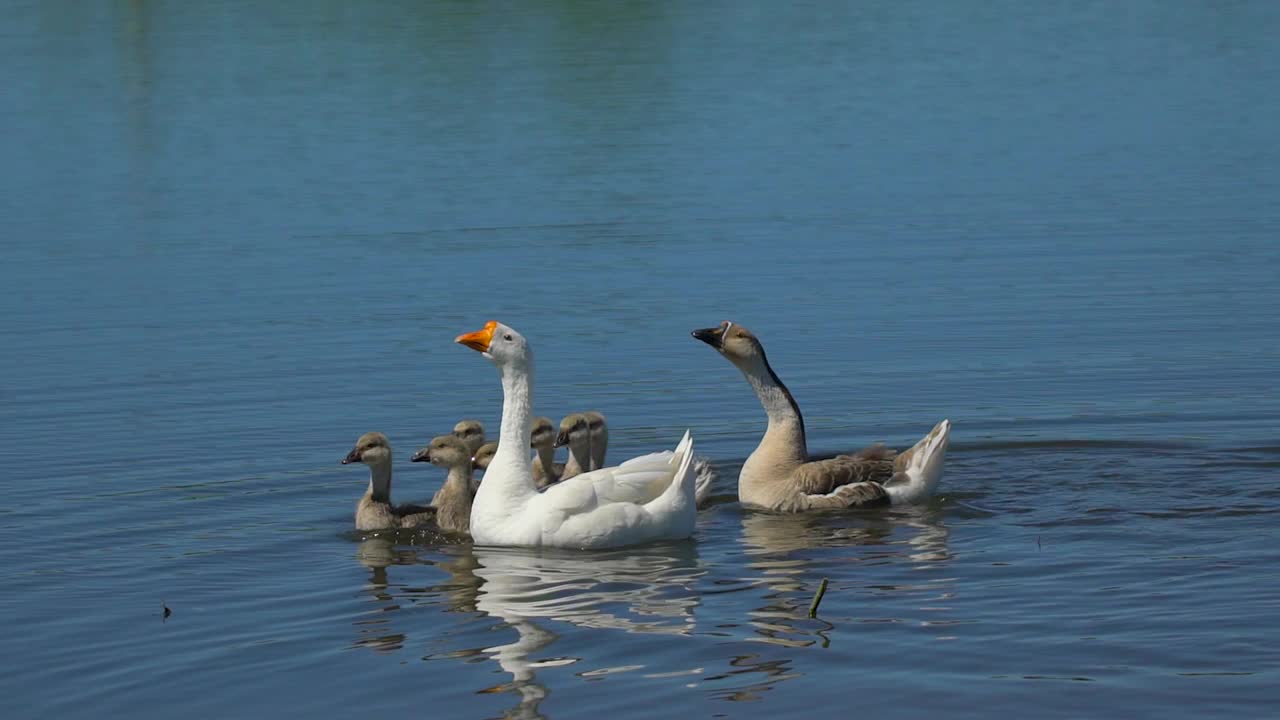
788 554
784 551
646 590
780 547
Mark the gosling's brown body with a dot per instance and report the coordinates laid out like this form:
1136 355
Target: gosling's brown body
599 437
542 438
452 502
575 432
375 511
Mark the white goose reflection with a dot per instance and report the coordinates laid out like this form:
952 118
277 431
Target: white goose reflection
646 590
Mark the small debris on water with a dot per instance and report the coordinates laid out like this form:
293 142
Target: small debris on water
817 598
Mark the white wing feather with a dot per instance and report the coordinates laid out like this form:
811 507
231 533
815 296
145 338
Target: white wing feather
630 503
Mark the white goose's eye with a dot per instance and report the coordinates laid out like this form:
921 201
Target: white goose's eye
506 336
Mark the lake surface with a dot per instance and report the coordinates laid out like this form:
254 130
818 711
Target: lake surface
240 234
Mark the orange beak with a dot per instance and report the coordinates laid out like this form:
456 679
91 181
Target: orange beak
480 339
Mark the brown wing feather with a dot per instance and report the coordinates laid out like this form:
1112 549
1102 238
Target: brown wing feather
414 515
858 494
874 452
823 476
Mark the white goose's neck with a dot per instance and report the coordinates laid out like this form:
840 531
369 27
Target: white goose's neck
509 479
785 422
380 483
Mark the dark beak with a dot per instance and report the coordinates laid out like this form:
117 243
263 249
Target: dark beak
352 457
711 336
423 455
562 439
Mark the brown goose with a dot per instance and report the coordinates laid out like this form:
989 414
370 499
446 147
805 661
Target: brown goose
452 502
779 475
375 511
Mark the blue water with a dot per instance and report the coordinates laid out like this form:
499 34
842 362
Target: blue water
238 235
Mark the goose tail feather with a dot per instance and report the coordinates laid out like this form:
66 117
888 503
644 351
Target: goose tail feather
918 470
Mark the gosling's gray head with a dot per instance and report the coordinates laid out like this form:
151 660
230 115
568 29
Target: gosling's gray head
543 433
470 432
371 449
484 455
444 451
575 430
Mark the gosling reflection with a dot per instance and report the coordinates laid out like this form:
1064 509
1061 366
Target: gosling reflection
649 590
379 553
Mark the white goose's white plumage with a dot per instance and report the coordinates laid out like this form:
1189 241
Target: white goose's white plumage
577 433
645 499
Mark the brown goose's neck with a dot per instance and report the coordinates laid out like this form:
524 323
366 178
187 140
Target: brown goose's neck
786 424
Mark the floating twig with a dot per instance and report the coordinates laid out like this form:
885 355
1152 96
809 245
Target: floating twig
167 612
817 598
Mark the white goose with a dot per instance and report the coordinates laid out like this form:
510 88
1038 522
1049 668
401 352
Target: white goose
645 499
577 433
